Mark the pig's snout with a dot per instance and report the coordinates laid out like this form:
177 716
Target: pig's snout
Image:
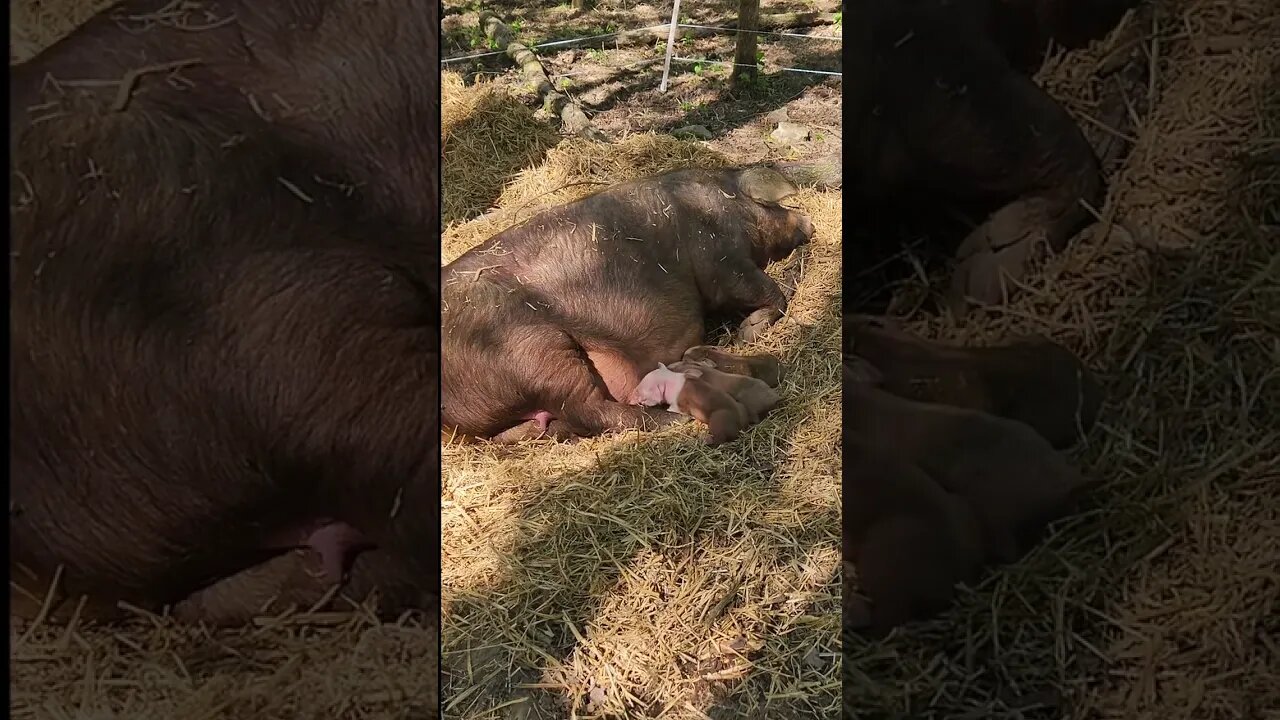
804 230
646 394
783 231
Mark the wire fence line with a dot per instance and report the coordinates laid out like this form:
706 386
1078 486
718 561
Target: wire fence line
650 61
651 28
736 64
757 32
628 66
556 43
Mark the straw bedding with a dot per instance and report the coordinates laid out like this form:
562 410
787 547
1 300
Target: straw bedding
645 575
1160 600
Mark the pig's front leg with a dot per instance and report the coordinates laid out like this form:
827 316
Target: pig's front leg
748 289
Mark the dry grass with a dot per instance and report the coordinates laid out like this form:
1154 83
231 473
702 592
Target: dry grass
646 575
483 124
644 565
1161 601
285 669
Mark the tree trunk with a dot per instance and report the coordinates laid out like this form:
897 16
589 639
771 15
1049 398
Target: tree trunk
823 173
744 60
573 120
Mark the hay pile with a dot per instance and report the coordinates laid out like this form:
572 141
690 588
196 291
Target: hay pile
1161 601
291 668
486 136
646 575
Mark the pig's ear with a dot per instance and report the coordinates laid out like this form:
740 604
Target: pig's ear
765 185
662 366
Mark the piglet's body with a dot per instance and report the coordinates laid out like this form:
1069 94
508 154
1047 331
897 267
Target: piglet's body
688 393
763 367
756 397
659 387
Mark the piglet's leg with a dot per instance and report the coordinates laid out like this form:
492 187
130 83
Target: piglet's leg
762 366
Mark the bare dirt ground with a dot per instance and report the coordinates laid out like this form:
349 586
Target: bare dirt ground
617 86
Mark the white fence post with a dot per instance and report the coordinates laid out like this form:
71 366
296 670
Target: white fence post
671 41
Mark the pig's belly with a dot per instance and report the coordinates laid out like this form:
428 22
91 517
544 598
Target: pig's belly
621 374
644 335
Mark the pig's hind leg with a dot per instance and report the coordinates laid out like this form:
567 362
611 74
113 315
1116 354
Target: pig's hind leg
575 395
292 580
534 430
595 413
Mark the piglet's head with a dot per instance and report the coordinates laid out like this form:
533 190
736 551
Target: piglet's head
659 387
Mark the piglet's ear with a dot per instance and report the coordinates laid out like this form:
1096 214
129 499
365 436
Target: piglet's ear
662 366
